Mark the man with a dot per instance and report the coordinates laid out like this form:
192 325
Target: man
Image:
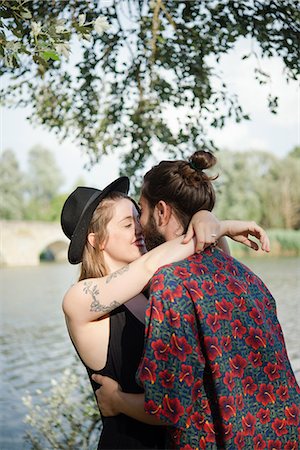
215 366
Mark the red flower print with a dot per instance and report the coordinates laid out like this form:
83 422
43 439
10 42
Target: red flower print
156 310
198 419
239 401
219 278
187 447
229 380
226 343
248 424
151 408
173 318
230 267
179 347
256 316
188 411
249 386
157 282
210 432
255 338
227 407
238 364
181 272
272 371
198 269
167 379
283 393
265 394
212 347
147 371
290 378
190 318
280 360
291 445
167 295
238 329
227 431
218 263
161 350
224 309
196 391
235 287
209 287
202 443
194 289
264 415
186 375
267 302
206 407
199 312
213 322
292 414
240 303
259 443
177 291
274 445
239 440
172 409
215 370
255 359
250 278
279 426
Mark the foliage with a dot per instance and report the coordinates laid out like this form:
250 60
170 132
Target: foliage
64 418
156 57
11 187
34 194
258 186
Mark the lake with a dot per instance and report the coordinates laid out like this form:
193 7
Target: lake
35 346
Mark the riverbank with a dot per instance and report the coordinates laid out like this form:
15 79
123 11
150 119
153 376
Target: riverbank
283 243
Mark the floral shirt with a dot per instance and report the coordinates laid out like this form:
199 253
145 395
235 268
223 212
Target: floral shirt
215 366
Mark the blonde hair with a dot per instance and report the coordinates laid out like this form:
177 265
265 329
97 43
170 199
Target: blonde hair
93 264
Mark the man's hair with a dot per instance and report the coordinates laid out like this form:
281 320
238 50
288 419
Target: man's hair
182 184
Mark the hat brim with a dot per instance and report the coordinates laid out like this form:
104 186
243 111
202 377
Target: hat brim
78 238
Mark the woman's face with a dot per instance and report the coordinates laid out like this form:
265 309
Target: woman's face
125 241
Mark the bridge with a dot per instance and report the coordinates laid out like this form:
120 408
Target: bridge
23 242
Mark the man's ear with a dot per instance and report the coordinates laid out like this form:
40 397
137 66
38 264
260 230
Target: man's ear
163 213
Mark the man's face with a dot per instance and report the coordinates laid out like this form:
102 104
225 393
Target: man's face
152 235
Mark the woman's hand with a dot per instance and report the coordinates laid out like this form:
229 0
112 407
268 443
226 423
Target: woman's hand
107 395
205 227
240 230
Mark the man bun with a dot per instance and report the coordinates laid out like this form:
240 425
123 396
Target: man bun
202 160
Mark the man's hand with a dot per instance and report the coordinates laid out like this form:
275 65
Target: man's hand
206 229
107 395
239 231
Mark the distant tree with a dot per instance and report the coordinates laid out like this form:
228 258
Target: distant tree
43 185
238 185
138 62
11 187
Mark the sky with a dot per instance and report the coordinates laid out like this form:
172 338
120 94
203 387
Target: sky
277 134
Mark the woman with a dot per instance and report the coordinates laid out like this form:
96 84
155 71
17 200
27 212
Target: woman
106 236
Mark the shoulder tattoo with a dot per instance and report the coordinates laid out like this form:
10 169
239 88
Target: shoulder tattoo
89 288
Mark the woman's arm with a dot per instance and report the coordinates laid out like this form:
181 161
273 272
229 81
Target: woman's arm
207 229
90 299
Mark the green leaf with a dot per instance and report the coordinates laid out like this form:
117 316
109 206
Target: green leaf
50 55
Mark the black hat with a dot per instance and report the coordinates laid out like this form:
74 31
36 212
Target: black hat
77 213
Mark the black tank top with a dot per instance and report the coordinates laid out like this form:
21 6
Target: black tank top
126 341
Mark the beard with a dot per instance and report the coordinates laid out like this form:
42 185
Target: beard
152 236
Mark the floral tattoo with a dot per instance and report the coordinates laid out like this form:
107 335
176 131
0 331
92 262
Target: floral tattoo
116 273
96 305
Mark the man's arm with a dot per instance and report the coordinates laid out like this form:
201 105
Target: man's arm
113 401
